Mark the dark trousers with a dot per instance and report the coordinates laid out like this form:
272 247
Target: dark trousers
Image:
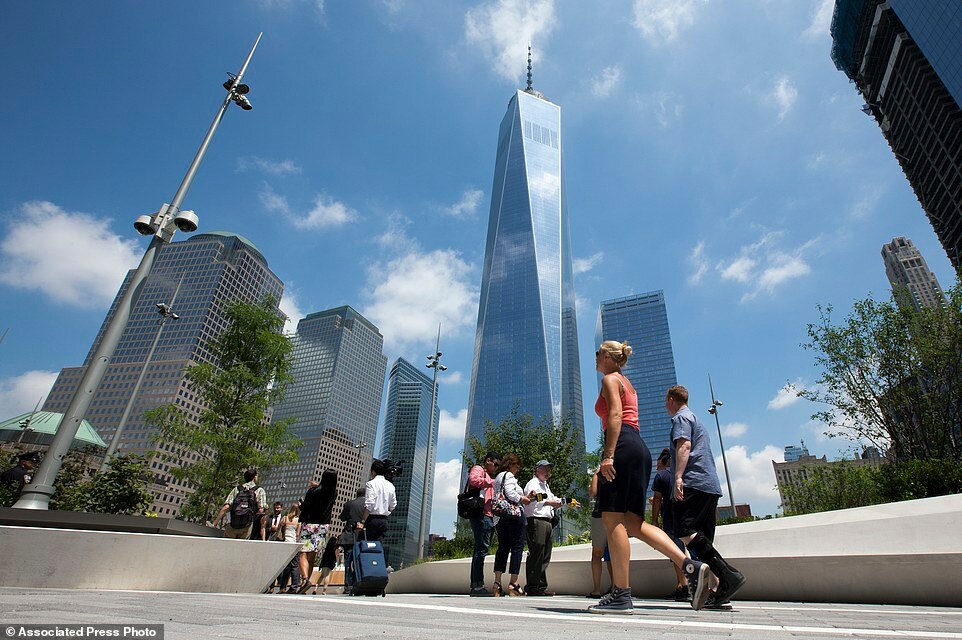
481 526
348 566
291 573
375 527
539 554
510 540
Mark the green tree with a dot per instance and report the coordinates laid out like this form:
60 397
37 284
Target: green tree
892 375
828 488
71 489
249 373
123 488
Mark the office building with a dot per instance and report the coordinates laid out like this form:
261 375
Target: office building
526 344
911 279
793 453
795 472
406 436
206 271
335 400
642 321
904 58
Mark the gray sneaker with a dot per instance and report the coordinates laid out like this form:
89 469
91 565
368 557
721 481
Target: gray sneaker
698 576
617 602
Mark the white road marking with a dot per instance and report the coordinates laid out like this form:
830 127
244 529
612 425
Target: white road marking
638 620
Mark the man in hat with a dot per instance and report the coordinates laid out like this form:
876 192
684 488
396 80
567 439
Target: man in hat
539 513
21 474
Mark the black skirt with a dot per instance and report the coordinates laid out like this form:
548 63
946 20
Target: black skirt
627 492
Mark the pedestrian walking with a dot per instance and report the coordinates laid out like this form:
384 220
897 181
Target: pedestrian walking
326 565
539 512
625 470
599 542
507 510
316 509
243 503
290 528
482 524
696 490
351 514
380 499
661 516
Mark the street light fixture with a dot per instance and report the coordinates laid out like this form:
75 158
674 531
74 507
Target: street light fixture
161 225
360 468
713 409
434 362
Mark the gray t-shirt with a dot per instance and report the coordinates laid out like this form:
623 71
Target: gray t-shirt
700 472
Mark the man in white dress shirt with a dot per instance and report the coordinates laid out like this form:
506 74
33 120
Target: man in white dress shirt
379 501
539 513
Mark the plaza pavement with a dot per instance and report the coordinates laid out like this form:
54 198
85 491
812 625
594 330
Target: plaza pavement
439 617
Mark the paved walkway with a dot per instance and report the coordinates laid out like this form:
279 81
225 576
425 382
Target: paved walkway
398 617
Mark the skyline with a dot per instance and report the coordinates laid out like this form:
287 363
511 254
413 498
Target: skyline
739 177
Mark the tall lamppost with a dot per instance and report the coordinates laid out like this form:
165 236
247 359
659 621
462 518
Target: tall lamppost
713 409
360 469
161 225
434 362
166 313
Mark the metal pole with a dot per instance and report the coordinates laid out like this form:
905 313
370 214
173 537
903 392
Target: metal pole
728 478
422 534
360 468
37 494
115 440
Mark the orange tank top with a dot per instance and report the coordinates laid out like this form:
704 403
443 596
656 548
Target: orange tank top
629 406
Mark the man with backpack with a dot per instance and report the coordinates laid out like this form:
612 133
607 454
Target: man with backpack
243 503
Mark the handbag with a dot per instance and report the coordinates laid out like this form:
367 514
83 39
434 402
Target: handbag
470 503
504 508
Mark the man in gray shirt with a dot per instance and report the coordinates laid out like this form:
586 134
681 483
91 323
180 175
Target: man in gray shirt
696 492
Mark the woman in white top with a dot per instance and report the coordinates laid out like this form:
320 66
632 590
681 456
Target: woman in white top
290 529
510 529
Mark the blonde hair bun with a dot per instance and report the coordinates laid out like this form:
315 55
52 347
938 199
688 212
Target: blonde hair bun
619 351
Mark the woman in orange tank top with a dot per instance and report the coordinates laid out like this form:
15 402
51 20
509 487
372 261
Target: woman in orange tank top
624 474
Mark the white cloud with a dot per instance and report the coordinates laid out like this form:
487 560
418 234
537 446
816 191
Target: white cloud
739 269
290 308
467 206
395 236
447 486
735 429
664 106
584 265
503 29
603 85
866 204
410 294
821 20
785 397
253 163
783 94
661 21
20 394
451 378
451 427
764 267
698 262
69 256
326 211
317 5
753 477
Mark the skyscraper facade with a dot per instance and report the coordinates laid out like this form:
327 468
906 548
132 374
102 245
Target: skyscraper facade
526 344
642 321
405 438
910 276
206 271
794 453
335 399
903 56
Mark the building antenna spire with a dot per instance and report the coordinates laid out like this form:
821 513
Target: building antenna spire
529 68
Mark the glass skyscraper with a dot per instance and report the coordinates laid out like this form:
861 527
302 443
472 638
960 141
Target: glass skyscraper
526 344
407 428
642 321
211 269
335 399
904 57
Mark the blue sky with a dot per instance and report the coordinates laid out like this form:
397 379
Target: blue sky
712 150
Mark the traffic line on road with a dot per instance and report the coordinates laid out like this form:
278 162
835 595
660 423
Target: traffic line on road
636 620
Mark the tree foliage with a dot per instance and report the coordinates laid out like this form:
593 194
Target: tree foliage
250 373
892 375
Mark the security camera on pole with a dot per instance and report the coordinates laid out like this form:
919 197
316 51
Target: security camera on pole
161 225
434 362
713 409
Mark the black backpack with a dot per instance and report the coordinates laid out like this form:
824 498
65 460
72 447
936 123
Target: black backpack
243 508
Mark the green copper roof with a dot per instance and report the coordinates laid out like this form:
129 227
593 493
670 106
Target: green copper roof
46 422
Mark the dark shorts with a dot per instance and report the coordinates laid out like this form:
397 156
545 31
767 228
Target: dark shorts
627 493
695 514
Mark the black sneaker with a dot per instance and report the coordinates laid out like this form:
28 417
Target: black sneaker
730 581
480 592
698 575
680 594
714 604
617 602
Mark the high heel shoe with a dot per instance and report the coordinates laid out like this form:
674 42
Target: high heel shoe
498 591
514 589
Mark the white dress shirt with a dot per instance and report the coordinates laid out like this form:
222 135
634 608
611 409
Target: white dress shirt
538 509
379 496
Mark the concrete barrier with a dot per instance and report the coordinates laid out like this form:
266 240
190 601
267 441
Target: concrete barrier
898 553
32 557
